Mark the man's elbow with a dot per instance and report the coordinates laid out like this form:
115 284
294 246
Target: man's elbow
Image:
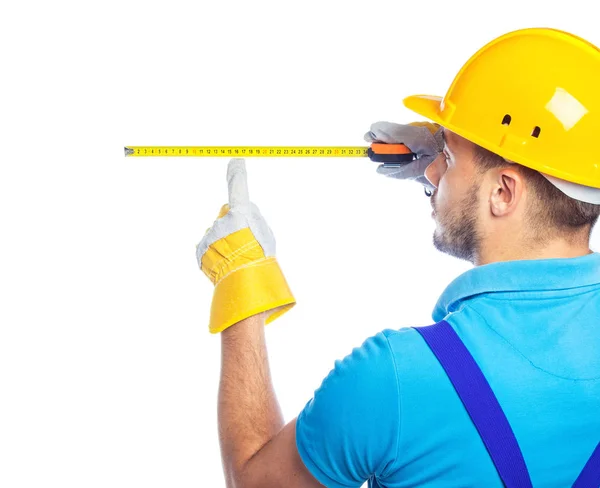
241 477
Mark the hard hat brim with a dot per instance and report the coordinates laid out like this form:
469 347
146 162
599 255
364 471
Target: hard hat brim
430 106
427 105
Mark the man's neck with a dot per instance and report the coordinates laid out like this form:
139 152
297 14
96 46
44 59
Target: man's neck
554 250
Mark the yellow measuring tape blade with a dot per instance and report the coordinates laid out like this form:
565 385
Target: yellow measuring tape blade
248 151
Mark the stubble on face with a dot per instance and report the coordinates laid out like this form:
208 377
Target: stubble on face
456 231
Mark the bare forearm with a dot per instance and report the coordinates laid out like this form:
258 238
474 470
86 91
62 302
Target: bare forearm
249 414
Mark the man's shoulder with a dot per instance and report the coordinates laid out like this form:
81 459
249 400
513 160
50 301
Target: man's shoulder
411 356
404 341
404 334
389 343
382 361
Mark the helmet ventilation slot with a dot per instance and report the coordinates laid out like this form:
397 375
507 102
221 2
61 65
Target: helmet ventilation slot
506 120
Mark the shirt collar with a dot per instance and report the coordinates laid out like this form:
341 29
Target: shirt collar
522 275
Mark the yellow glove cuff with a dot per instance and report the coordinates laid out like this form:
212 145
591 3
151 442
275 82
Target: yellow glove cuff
256 287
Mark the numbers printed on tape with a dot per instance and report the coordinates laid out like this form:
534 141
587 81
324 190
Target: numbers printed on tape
248 151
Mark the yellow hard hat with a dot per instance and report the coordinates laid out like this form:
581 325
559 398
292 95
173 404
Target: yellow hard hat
531 96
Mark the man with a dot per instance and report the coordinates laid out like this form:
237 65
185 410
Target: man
504 390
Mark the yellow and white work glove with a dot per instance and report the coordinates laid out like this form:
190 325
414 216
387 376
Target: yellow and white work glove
422 138
238 255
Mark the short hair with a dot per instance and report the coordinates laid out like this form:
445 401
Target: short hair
553 213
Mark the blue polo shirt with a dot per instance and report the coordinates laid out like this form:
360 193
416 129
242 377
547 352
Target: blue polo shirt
387 413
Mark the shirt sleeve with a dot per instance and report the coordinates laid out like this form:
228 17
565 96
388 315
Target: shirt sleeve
348 432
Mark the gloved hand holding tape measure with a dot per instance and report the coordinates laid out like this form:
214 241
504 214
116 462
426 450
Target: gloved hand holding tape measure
423 138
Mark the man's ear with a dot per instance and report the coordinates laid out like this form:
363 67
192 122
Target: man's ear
507 191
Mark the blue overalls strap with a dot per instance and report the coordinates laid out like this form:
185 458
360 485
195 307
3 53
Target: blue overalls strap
485 411
590 476
480 402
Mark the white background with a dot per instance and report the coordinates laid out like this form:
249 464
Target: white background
108 375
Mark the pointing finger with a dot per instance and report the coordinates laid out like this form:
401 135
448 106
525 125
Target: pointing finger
237 183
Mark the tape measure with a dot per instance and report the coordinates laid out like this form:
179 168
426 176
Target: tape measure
379 152
247 151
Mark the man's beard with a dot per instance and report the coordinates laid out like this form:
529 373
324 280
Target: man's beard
457 234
